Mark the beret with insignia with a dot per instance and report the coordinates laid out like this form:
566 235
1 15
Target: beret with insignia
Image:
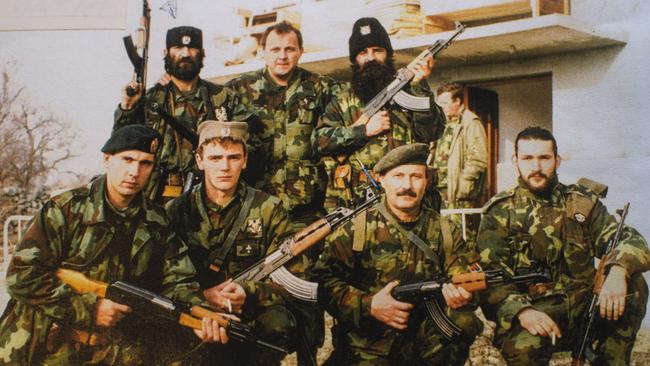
368 32
133 137
238 131
406 154
185 36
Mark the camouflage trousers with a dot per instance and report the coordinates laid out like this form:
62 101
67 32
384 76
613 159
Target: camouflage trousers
275 325
421 344
614 339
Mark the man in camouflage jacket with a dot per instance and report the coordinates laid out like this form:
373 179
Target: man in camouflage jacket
184 96
365 259
108 232
563 228
228 227
285 102
345 141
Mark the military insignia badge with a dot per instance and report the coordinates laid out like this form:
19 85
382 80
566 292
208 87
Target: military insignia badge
579 217
254 226
364 30
225 131
154 146
186 40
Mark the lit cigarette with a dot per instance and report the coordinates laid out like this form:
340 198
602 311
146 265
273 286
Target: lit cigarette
230 310
553 338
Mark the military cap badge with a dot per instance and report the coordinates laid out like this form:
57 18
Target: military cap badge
364 30
225 131
186 40
254 226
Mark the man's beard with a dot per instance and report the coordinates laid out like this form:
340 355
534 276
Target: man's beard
185 68
544 189
371 78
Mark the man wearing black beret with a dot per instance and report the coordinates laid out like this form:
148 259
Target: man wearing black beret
109 232
397 240
186 97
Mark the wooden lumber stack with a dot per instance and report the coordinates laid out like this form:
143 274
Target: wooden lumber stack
402 18
490 11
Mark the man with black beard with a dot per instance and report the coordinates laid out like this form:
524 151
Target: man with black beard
184 96
348 141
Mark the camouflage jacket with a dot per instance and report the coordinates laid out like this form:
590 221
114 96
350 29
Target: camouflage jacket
563 231
335 136
78 230
176 155
348 278
204 227
282 162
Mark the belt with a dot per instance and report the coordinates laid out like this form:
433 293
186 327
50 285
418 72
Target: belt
173 185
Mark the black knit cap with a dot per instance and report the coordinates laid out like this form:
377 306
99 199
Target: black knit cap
368 32
185 36
133 137
406 154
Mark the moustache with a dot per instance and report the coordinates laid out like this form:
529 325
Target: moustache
537 174
406 192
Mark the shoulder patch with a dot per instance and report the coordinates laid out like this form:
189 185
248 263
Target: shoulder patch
599 189
498 198
580 201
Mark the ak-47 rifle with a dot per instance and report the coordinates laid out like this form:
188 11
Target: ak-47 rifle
430 292
584 349
272 265
140 61
147 302
393 92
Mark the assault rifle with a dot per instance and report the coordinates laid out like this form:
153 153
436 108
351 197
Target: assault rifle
584 349
272 265
147 302
430 292
394 93
140 62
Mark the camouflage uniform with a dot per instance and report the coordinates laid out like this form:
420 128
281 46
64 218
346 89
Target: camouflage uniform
204 226
281 161
336 137
563 231
176 155
348 277
79 230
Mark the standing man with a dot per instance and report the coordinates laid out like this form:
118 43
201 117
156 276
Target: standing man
562 228
285 102
401 240
109 232
228 227
187 98
340 137
460 158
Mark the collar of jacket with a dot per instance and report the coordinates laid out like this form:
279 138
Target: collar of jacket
201 197
270 84
96 212
194 93
553 196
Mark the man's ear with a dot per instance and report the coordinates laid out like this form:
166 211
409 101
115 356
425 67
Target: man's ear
106 157
165 52
558 161
513 159
199 161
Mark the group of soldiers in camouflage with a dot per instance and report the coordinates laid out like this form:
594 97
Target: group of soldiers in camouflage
277 149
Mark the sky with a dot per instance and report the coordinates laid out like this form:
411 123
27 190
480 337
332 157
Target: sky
78 74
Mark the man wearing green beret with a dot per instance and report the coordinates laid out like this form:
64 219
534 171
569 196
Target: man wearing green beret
109 231
184 96
229 226
399 240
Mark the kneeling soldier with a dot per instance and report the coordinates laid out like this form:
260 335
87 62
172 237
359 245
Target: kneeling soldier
229 226
398 240
109 231
561 227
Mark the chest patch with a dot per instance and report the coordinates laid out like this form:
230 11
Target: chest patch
254 226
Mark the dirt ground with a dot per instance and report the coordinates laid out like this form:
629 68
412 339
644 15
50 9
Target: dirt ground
483 354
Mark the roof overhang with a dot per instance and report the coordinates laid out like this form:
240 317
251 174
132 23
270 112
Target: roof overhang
512 40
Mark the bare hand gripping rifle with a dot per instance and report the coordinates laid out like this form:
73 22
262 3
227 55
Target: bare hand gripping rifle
430 292
149 303
272 265
394 93
584 350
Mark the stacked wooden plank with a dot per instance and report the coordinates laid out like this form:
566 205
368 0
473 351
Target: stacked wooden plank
402 18
488 11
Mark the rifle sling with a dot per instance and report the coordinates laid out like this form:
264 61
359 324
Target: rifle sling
410 235
239 221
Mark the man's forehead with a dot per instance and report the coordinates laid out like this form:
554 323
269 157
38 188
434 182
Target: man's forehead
282 39
134 154
535 147
407 169
224 148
